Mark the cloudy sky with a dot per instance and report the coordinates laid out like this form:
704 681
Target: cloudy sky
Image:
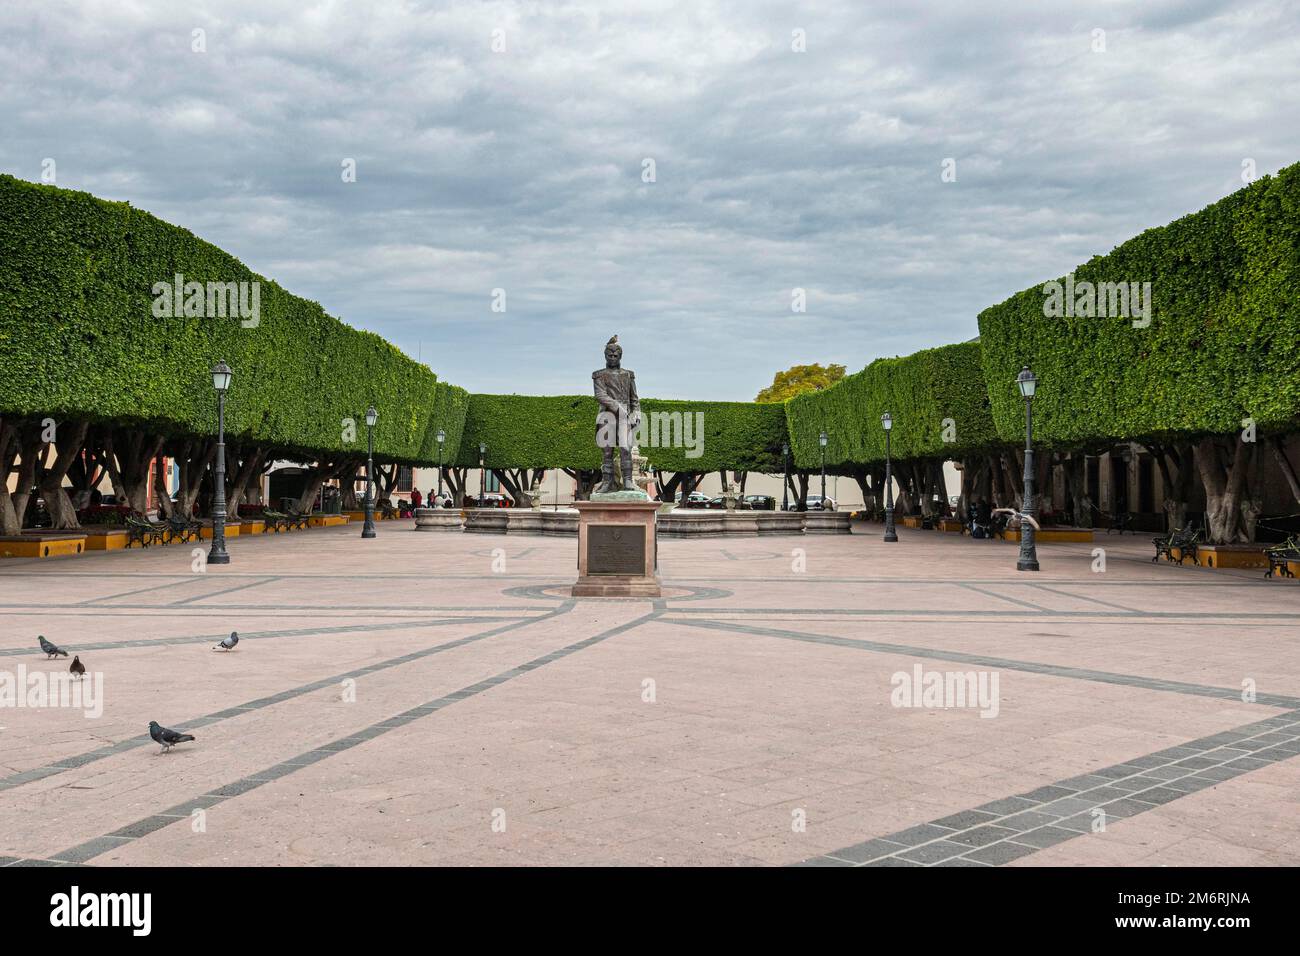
522 168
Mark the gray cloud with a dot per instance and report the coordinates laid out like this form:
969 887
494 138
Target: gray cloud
522 170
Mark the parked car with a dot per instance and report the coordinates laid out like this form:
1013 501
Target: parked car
697 499
815 504
759 503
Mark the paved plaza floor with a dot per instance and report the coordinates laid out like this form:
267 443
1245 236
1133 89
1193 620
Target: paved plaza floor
439 699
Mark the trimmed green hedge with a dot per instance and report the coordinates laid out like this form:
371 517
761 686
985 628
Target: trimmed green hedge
559 431
919 391
450 407
78 337
1223 343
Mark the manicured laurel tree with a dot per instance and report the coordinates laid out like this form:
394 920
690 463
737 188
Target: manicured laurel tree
738 436
526 431
78 338
1223 343
559 431
920 391
449 410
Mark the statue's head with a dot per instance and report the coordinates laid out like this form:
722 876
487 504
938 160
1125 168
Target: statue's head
613 353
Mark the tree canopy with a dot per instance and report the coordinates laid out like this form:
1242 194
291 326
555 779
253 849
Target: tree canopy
798 380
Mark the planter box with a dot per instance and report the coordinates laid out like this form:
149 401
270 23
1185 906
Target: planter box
950 525
105 540
1050 535
1231 556
910 521
254 526
45 545
232 530
329 521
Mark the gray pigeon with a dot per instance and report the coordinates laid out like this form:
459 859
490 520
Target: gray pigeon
168 738
76 668
228 643
49 649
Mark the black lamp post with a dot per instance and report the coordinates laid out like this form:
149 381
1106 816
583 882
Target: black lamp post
887 422
1027 383
785 476
822 439
442 437
217 553
368 529
482 472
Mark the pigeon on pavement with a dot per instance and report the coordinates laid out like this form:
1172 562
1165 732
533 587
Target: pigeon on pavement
168 738
77 668
49 649
228 643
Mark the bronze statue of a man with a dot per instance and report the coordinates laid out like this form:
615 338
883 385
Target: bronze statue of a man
619 417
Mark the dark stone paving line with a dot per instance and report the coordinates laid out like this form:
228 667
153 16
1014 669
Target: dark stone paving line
1014 827
122 746
1230 582
1230 616
1003 597
398 625
110 841
314 608
153 587
1084 597
1031 667
236 587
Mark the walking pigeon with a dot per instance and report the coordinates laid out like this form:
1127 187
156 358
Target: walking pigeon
168 738
228 643
76 668
49 649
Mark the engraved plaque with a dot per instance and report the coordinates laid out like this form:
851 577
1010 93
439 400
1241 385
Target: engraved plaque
616 549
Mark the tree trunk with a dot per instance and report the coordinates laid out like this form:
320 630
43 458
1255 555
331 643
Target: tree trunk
9 523
1176 468
667 489
1223 482
250 465
193 456
1277 446
63 517
128 453
160 490
454 481
802 478
587 478
320 473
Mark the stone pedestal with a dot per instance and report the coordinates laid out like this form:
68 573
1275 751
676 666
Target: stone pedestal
617 555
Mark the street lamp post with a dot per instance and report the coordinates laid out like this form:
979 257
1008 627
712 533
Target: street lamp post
442 437
887 422
1027 384
785 476
217 553
482 474
368 529
822 439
